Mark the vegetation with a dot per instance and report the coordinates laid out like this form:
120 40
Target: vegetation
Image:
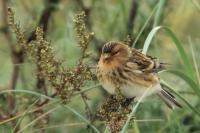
48 55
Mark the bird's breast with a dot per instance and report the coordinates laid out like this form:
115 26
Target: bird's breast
131 84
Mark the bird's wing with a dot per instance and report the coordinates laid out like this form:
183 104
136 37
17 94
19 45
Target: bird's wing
145 63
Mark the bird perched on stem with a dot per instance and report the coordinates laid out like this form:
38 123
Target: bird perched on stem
130 71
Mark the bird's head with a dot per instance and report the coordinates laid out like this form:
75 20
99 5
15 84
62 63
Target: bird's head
115 52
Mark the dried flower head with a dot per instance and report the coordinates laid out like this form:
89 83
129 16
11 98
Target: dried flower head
65 81
83 35
115 115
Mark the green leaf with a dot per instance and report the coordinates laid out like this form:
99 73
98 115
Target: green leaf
144 26
183 55
185 101
52 99
196 4
187 79
134 110
159 12
24 114
37 118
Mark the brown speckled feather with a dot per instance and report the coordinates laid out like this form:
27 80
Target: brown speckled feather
145 63
130 71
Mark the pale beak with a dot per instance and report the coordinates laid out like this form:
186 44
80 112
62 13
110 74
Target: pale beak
106 56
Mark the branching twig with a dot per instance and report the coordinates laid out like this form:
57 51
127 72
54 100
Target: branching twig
17 53
43 23
44 19
17 57
88 23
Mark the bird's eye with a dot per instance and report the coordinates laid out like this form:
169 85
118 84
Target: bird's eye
116 52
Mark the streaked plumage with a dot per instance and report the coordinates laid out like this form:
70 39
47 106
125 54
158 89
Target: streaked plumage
131 71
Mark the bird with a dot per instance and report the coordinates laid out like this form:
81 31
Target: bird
128 70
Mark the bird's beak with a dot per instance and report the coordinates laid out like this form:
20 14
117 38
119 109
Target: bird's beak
106 56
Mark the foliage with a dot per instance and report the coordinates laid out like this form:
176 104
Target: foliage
47 69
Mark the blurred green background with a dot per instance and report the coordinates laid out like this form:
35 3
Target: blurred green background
109 20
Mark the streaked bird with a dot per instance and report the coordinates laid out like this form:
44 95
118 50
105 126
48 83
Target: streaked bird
130 71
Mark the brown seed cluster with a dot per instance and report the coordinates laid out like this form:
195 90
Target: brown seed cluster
114 111
65 81
83 35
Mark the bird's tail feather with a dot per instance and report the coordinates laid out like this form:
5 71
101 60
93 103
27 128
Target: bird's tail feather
169 99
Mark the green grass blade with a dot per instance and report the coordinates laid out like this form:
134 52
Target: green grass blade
150 38
183 100
194 60
161 5
144 26
170 123
136 127
24 114
31 111
196 4
187 79
107 130
82 117
38 118
88 89
183 55
52 99
134 110
27 92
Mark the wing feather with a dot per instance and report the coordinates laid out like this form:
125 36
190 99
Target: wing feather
145 63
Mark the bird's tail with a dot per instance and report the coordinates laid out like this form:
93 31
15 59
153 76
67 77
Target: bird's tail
168 99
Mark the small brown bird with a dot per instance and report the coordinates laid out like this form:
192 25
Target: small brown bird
131 72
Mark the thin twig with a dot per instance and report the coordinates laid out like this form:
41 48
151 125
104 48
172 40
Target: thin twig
38 118
6 120
44 19
83 124
43 22
42 105
17 57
